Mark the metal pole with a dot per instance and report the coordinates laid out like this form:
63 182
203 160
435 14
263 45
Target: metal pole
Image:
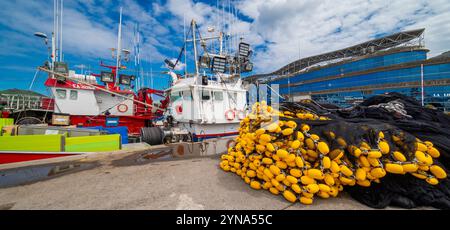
118 47
421 82
54 34
195 47
34 78
185 44
61 33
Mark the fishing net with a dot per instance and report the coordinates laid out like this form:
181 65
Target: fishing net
387 151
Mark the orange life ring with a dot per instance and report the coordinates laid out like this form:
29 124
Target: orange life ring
240 114
122 108
229 115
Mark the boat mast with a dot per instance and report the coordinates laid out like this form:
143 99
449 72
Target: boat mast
185 44
193 24
119 37
54 34
61 31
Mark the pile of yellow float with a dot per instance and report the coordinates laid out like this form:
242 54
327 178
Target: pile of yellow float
286 158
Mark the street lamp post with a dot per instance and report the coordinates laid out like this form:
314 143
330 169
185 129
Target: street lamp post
45 38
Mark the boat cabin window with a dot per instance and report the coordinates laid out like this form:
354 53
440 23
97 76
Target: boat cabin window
232 97
205 94
175 96
61 93
187 95
218 96
73 95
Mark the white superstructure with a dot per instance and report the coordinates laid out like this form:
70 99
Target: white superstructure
211 104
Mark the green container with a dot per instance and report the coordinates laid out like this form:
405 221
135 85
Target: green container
5 122
93 143
32 143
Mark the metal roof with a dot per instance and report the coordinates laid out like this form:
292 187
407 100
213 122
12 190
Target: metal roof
356 50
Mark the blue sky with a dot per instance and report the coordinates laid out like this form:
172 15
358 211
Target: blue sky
280 31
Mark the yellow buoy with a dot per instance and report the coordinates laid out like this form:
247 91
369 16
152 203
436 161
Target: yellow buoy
305 128
438 172
433 152
432 181
384 147
291 124
360 174
421 147
270 147
310 143
374 154
291 179
267 161
399 156
326 162
268 173
307 180
312 153
346 171
394 168
280 177
281 153
315 174
274 191
378 172
363 183
364 161
260 131
329 180
275 170
255 185
295 172
296 188
299 162
300 136
334 167
295 144
290 158
287 131
274 182
281 164
424 158
312 188
306 200
411 167
324 188
323 147
251 173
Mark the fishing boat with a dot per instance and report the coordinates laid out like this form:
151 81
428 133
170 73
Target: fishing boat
209 103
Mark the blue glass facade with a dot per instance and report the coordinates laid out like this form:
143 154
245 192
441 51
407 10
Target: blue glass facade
351 81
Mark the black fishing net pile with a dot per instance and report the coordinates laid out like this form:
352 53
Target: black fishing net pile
375 114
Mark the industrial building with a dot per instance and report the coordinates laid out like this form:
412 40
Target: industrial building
394 63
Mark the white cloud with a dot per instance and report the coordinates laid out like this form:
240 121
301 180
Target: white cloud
313 27
280 30
89 27
180 65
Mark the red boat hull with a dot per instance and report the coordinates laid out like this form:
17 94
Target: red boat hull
14 157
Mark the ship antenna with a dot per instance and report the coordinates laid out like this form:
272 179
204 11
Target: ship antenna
193 25
61 58
118 47
185 44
